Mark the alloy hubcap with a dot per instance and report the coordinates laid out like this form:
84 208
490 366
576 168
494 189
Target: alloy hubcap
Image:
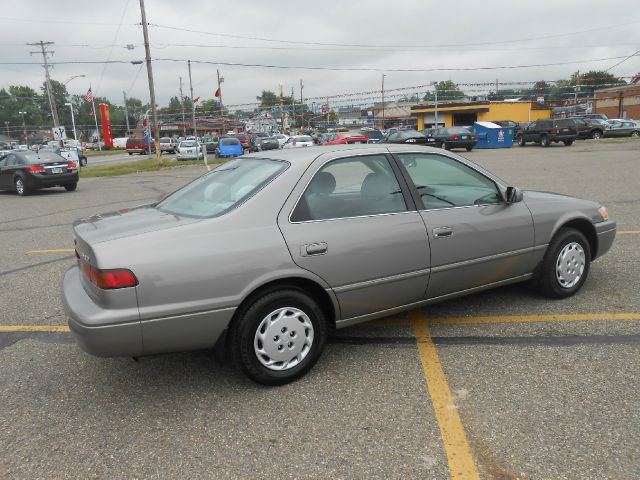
19 186
570 265
283 338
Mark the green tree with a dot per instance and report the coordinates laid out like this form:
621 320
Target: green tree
447 90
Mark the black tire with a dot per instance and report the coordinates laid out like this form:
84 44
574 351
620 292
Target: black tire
544 141
20 186
130 153
446 146
71 187
242 335
568 143
469 149
635 133
546 281
596 134
520 140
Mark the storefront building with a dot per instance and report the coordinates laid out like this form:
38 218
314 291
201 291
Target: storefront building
466 113
618 102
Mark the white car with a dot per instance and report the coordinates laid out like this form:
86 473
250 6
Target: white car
281 139
298 141
189 149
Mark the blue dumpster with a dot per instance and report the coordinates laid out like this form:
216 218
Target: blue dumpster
491 135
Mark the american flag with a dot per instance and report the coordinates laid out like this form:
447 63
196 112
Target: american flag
89 96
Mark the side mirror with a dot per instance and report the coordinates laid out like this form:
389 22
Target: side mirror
513 195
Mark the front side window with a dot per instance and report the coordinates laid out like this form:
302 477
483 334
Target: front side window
222 189
443 182
351 187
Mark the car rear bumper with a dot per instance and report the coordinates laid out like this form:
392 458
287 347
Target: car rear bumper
41 181
186 156
606 233
99 331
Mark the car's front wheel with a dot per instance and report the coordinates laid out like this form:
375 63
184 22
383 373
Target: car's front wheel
596 134
278 337
20 186
520 140
635 133
565 265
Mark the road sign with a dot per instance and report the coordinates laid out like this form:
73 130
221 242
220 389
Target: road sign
59 133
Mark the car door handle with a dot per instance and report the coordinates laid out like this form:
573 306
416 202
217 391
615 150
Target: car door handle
442 232
319 248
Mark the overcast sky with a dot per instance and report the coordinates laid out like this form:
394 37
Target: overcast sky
401 34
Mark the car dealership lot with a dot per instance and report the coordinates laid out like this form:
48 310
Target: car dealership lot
541 389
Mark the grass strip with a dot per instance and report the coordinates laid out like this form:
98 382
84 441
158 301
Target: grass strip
144 165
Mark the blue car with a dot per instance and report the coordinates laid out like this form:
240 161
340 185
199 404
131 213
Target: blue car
229 147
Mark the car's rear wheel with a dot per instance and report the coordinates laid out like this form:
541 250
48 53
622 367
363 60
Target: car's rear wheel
568 143
565 265
596 134
520 140
544 141
278 336
469 149
70 187
20 186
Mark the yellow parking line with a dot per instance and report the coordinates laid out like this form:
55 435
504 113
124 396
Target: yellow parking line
33 328
55 250
570 317
461 464
629 232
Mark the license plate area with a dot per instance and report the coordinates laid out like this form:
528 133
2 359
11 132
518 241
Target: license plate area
56 170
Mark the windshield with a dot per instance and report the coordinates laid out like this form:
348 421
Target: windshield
190 143
223 189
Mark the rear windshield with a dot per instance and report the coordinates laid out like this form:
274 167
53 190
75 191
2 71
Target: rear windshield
223 189
33 158
372 133
135 140
229 141
404 134
190 143
303 138
458 130
165 140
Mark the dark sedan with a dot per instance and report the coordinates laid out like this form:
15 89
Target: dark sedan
454 137
27 171
411 137
259 144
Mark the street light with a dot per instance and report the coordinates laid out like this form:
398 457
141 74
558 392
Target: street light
75 76
24 128
73 121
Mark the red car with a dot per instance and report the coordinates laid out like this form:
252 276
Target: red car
244 140
341 138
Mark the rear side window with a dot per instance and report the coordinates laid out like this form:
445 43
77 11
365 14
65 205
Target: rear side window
351 187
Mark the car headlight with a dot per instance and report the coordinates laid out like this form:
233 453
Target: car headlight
604 215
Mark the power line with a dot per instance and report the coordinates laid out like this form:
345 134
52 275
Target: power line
622 61
124 10
300 42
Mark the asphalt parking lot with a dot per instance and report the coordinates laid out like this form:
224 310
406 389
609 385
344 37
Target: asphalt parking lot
499 385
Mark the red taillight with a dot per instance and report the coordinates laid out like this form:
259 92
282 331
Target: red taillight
71 166
109 279
453 137
35 168
474 136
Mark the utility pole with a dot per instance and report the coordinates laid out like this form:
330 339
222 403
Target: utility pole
126 112
52 103
383 75
184 127
24 127
293 107
301 105
281 108
327 113
152 92
496 86
193 104
220 80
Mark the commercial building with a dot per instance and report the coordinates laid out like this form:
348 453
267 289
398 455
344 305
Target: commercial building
465 113
618 102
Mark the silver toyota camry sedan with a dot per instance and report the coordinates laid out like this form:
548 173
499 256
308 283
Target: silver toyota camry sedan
264 255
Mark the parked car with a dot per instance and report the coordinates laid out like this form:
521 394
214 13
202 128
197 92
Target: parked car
372 134
281 138
244 140
341 138
622 128
264 143
407 136
298 141
269 304
598 116
546 132
190 149
454 137
26 171
138 145
589 127
210 143
229 147
168 144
